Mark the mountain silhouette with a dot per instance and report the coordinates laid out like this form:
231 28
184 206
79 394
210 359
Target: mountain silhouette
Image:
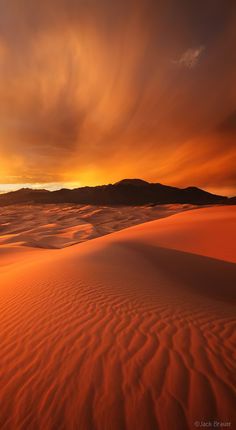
125 192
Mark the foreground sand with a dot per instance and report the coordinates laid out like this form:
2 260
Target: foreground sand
133 330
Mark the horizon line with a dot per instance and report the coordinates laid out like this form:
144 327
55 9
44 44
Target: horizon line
57 186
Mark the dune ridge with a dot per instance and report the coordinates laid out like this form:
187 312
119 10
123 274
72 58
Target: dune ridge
134 330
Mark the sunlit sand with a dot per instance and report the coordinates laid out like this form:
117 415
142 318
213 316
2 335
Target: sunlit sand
132 330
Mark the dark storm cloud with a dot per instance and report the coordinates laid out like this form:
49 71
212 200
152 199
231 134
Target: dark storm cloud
228 125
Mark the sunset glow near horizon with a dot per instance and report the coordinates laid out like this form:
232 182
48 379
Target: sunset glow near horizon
93 92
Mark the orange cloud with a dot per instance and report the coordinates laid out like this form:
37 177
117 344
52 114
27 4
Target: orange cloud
89 92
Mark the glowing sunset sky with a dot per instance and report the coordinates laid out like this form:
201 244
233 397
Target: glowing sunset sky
95 91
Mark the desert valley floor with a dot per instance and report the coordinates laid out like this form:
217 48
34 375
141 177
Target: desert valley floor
129 330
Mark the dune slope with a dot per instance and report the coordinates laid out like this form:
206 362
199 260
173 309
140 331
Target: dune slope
134 330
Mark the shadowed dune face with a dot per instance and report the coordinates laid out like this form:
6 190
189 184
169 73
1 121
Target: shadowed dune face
122 332
190 271
208 232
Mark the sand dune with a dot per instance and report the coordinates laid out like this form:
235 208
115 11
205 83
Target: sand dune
134 330
61 225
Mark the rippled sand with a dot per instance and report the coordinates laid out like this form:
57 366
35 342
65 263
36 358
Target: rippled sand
133 330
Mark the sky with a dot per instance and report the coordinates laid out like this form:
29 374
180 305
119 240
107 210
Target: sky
92 92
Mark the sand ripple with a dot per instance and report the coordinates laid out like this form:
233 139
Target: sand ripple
103 336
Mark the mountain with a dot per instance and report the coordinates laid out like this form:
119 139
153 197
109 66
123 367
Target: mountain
125 192
134 182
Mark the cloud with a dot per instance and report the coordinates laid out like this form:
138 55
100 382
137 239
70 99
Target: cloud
228 125
87 93
190 57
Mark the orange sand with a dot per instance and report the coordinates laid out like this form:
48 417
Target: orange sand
133 330
60 225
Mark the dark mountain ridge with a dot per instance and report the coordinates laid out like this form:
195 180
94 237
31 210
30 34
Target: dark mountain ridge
126 192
